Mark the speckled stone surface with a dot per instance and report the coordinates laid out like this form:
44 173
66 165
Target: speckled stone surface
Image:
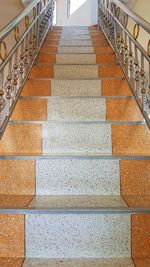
11 262
17 177
75 36
76 109
75 87
74 177
11 235
77 138
77 72
120 262
75 49
77 202
76 59
78 236
75 42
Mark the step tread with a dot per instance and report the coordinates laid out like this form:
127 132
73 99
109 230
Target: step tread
90 203
118 262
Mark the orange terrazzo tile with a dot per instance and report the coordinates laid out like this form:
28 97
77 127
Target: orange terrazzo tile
39 71
30 110
51 42
96 35
49 49
17 177
93 27
111 71
123 109
22 139
100 42
36 88
137 201
135 177
130 140
142 262
11 235
11 262
15 201
52 37
115 88
105 58
106 49
46 58
141 236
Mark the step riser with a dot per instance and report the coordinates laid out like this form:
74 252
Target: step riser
76 43
78 236
77 138
75 49
75 88
77 177
76 59
78 109
76 72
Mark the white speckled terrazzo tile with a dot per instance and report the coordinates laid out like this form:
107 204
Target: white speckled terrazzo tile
78 236
75 49
77 202
77 138
76 109
120 262
75 36
75 177
75 42
76 59
76 72
75 87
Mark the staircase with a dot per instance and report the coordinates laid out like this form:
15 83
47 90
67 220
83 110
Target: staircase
75 162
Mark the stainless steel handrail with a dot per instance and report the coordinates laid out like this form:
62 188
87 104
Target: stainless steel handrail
8 28
20 42
131 53
138 19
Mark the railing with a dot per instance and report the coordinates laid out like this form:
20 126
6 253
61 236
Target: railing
20 42
128 33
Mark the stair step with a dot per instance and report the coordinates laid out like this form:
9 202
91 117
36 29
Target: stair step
75 49
76 59
75 43
77 202
75 177
77 138
75 87
78 235
76 72
75 36
118 262
76 109
74 204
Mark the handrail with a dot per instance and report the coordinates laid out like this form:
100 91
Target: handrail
8 28
113 19
20 42
137 18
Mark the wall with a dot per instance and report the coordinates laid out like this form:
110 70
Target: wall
9 9
86 15
142 8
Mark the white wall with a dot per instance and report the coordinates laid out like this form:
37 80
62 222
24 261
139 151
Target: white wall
9 9
86 15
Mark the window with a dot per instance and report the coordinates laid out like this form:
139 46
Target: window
73 5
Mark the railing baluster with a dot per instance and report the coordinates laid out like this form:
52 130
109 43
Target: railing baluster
29 30
133 58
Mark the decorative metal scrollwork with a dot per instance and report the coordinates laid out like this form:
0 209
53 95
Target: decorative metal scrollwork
2 100
136 31
16 33
3 51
